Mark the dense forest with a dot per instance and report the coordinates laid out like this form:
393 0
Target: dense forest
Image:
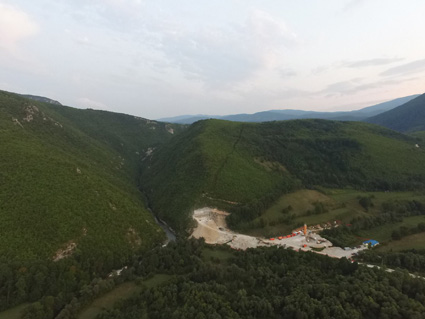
267 283
218 282
244 167
68 181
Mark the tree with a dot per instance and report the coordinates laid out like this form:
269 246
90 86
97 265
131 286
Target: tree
396 235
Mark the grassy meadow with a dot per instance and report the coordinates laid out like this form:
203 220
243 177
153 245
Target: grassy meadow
121 292
338 205
13 313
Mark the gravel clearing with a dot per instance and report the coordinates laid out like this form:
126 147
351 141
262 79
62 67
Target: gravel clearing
211 225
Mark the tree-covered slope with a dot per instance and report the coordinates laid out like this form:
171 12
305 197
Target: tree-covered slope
268 283
67 182
131 136
408 117
244 167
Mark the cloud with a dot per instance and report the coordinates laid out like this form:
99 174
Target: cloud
213 52
79 39
221 56
287 73
342 87
408 68
354 64
15 25
353 4
92 104
83 40
370 62
357 85
320 70
116 14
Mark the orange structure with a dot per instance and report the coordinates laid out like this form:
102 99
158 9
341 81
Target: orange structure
305 229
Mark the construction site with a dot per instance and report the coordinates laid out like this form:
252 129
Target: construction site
211 225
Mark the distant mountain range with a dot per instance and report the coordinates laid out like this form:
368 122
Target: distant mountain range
409 117
282 115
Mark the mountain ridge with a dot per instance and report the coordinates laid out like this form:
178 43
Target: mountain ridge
290 114
68 177
251 164
40 99
409 117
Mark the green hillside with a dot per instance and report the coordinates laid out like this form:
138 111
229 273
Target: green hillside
408 117
245 167
68 182
130 136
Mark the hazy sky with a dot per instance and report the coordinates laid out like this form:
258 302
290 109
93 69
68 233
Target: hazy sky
158 58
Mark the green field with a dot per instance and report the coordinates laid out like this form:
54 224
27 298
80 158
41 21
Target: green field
416 241
340 204
156 280
220 254
13 313
349 197
383 233
122 291
301 201
420 135
108 300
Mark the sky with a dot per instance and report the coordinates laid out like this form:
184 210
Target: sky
162 58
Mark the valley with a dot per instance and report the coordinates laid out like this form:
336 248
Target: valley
212 159
84 192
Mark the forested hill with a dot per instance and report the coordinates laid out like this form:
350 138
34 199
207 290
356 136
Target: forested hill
134 138
68 182
41 99
409 117
244 167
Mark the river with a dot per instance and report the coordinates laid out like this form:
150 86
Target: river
168 231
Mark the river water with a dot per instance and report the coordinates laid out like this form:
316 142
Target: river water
170 234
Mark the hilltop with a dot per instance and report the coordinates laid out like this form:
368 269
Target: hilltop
68 182
245 167
409 117
41 99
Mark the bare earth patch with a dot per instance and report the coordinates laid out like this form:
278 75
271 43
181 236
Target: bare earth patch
211 225
65 252
133 237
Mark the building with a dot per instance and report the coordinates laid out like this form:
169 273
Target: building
372 242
